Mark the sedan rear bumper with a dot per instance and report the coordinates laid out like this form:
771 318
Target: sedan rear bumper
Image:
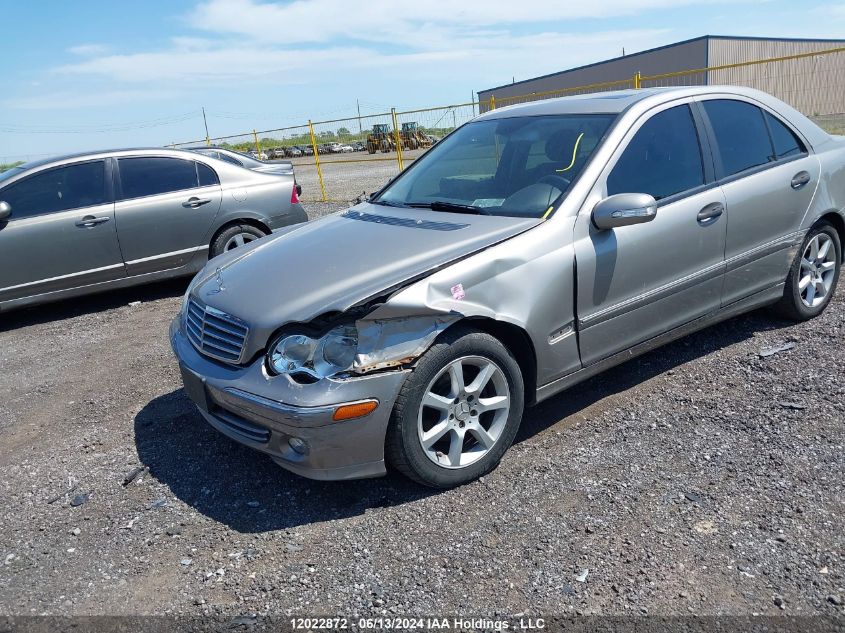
292 422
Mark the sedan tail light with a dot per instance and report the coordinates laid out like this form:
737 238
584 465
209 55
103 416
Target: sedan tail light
295 192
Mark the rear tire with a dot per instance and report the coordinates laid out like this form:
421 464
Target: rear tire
234 236
447 431
814 274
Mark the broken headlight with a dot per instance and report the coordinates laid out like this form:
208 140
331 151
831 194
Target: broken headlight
332 353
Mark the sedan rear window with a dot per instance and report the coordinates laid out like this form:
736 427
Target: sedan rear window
517 166
154 175
741 134
784 139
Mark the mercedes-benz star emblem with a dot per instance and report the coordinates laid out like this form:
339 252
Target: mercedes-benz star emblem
219 279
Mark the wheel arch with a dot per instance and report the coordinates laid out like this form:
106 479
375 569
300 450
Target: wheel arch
837 220
518 343
258 224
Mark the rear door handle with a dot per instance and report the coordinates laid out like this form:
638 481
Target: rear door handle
800 179
710 213
194 202
90 221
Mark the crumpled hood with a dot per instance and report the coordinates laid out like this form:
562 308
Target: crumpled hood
333 263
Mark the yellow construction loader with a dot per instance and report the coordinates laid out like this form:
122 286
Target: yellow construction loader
381 138
414 138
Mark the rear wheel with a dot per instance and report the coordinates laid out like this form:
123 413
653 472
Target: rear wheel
458 412
233 237
814 274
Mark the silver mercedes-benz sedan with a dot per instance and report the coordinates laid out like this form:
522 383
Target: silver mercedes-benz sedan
532 248
78 224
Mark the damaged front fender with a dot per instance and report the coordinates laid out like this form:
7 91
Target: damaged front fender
387 343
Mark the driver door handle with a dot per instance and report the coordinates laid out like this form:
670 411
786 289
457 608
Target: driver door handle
800 179
194 202
90 221
710 213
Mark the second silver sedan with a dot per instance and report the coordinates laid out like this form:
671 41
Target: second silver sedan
88 222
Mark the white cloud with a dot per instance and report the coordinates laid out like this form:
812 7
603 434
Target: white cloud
429 24
87 50
313 40
478 58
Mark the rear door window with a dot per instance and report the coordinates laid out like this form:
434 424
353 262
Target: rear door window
206 175
62 189
662 159
153 175
784 139
741 134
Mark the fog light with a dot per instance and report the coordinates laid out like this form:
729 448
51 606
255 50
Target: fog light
354 410
298 445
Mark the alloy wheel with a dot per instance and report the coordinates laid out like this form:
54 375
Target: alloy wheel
238 240
818 269
463 412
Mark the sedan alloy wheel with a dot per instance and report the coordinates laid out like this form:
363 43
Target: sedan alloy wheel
463 412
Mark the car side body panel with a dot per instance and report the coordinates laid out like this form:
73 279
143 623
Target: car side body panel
493 286
44 253
830 194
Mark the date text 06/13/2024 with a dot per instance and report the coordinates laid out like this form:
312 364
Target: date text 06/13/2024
410 623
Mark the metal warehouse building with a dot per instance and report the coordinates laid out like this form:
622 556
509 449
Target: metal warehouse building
814 84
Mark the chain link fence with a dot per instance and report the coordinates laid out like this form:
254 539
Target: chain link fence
343 159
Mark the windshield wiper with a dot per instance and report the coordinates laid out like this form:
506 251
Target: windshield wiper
454 207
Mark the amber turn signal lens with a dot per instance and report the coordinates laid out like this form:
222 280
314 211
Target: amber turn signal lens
355 410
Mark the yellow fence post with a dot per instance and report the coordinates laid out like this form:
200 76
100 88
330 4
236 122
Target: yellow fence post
637 80
492 102
257 144
398 139
317 160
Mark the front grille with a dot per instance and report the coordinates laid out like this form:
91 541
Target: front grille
215 333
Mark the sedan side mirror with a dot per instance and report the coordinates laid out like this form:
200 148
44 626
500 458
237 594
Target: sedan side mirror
624 209
5 210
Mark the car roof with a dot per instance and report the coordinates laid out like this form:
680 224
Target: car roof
63 158
616 101
640 100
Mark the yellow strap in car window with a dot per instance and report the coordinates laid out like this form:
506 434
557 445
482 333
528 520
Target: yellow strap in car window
548 211
574 152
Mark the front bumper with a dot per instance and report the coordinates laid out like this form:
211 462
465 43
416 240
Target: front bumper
265 412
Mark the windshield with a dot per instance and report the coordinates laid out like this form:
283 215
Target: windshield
518 166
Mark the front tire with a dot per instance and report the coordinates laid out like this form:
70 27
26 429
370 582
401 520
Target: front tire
458 412
814 274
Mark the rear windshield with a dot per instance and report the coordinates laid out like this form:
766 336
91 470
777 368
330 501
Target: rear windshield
519 166
10 173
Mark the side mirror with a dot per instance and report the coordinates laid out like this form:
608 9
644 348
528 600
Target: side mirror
5 210
624 209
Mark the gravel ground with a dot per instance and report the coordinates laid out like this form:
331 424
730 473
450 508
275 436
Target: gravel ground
701 478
